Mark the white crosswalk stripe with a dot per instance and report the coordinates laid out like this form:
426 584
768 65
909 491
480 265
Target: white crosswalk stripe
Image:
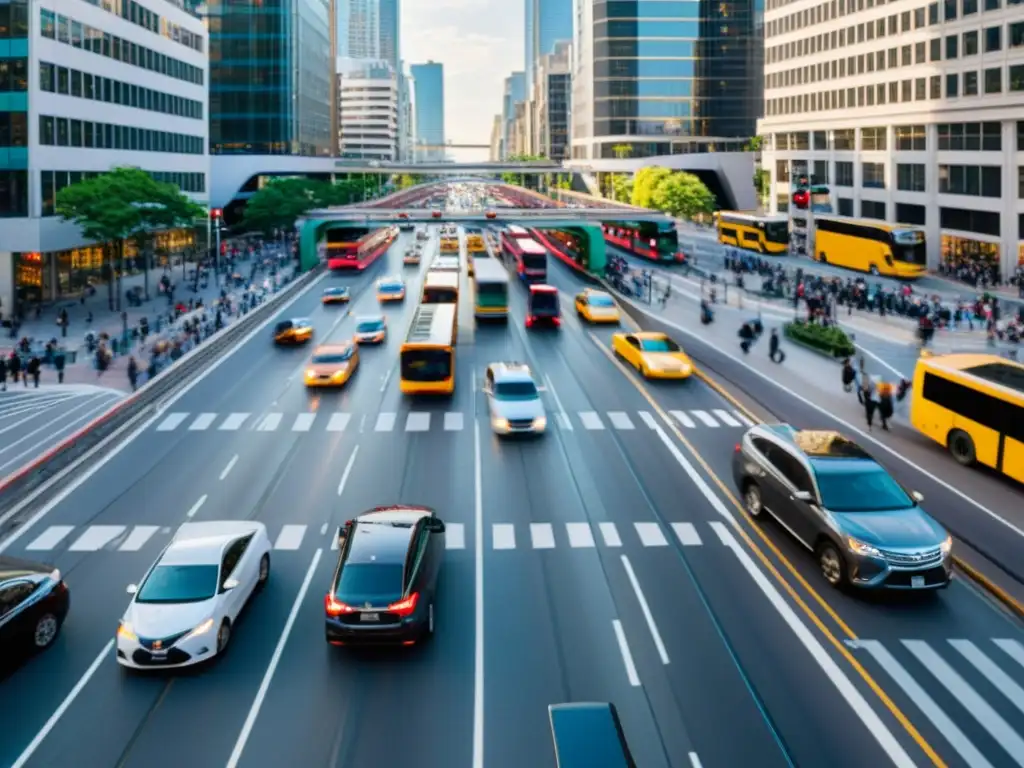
651 534
542 535
137 539
50 538
423 421
455 536
290 537
687 534
96 537
580 535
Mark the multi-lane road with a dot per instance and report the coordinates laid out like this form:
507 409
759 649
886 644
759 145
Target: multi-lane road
605 561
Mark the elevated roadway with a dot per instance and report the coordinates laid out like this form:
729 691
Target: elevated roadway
537 217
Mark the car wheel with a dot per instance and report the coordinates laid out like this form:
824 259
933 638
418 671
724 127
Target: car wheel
264 572
223 636
831 565
46 630
961 447
752 499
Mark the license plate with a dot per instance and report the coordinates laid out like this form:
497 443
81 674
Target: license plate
369 617
917 581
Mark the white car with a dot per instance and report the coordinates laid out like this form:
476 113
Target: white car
183 610
513 400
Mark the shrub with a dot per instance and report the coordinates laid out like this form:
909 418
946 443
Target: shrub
831 340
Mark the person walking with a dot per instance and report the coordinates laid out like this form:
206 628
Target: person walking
59 361
775 354
33 369
868 395
3 374
133 373
849 375
885 403
14 366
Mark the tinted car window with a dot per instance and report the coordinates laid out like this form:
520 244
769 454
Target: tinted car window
370 326
12 595
179 584
368 581
864 488
792 470
658 345
515 390
332 357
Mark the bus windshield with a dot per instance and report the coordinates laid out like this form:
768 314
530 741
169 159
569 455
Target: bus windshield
491 289
426 365
777 231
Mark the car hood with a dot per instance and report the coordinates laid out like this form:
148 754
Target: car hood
670 360
911 528
518 409
159 620
604 311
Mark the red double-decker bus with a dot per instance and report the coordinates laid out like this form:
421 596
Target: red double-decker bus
530 257
361 252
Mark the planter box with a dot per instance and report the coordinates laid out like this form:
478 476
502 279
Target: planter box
831 342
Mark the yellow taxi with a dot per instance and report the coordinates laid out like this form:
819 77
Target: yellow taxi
293 332
596 307
390 289
332 365
654 355
338 295
371 329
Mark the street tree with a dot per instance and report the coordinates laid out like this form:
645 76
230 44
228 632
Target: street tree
519 179
684 196
124 203
646 183
278 204
622 187
407 180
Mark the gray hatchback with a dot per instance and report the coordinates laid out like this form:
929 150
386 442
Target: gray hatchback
864 528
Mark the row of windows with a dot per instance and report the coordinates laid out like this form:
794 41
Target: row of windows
976 180
147 19
965 84
980 181
910 177
13 129
904 56
13 75
957 137
960 219
52 182
78 35
72 82
65 132
14 20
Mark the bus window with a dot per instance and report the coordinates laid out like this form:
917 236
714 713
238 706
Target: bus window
426 365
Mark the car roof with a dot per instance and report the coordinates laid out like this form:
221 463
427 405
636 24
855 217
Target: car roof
300 321
377 540
511 372
651 335
538 288
16 568
391 280
818 444
326 349
203 543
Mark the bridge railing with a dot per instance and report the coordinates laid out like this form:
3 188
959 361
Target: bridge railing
570 196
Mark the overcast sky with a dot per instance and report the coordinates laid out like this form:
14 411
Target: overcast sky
480 42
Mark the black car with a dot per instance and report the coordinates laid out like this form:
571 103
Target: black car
385 583
33 604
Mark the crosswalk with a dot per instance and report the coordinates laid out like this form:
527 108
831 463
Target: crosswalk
500 537
425 421
965 688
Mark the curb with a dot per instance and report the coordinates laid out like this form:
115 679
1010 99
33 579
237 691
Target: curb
1007 600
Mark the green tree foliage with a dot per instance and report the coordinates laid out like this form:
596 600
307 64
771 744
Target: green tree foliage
683 196
280 203
622 151
519 178
122 204
762 184
622 187
645 183
754 145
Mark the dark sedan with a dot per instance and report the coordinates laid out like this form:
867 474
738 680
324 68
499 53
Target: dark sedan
33 604
385 582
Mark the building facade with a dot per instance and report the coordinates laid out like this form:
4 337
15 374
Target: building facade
368 110
390 33
514 91
360 29
497 149
86 88
551 99
547 23
911 113
406 118
428 84
661 78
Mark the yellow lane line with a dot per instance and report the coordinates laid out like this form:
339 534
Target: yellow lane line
770 567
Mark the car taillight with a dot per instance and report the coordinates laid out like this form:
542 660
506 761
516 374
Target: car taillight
336 608
737 449
405 607
557 321
529 322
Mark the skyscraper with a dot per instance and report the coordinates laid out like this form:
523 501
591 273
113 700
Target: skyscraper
428 84
514 91
389 32
369 29
547 22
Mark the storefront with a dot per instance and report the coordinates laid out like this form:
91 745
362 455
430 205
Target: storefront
969 258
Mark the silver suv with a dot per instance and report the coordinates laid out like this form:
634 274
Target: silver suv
864 528
513 400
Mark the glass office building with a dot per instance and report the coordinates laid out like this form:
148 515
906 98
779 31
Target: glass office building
270 78
428 87
547 22
666 76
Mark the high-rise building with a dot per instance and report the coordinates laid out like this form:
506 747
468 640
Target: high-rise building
547 22
389 33
911 113
514 91
551 98
271 99
684 79
368 110
369 29
406 118
428 82
496 146
74 107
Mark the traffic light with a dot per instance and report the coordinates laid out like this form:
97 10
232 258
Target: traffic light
216 213
802 195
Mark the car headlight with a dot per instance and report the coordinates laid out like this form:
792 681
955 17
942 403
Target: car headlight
125 632
540 422
860 548
310 373
946 546
202 629
500 425
340 373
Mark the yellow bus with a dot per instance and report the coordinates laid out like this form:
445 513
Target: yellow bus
973 404
867 245
490 291
440 287
764 234
475 241
427 359
450 243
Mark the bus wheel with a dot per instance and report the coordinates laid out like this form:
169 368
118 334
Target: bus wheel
873 271
962 447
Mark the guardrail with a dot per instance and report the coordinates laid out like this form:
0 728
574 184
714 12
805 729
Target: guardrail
19 488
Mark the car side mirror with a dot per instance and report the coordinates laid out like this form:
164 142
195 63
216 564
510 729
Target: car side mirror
803 496
435 526
917 496
230 584
132 589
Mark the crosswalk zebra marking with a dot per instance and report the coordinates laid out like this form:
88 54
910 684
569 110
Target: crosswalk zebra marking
504 536
724 534
707 418
620 420
270 422
96 537
726 418
453 422
385 422
202 422
138 537
1013 649
290 537
650 534
591 420
172 422
687 534
683 419
50 538
542 535
417 422
990 670
303 422
455 536
338 422
234 422
648 419
610 534
580 535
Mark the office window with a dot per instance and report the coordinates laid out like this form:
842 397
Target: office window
872 209
963 220
13 194
949 10
933 14
920 89
820 173
1015 82
905 91
919 17
920 53
952 86
47 131
970 83
845 206
952 44
1020 181
910 214
967 137
906 57
969 7
993 5
872 139
1016 34
992 137
970 43
977 181
911 137
994 80
844 174
844 140
910 177
935 87
820 139
935 49
993 39
873 175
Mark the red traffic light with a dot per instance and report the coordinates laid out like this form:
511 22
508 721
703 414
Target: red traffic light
802 199
216 213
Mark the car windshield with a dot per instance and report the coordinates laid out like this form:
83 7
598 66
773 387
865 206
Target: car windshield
544 301
329 358
601 301
283 326
391 287
370 326
659 345
179 584
866 487
515 390
368 582
336 291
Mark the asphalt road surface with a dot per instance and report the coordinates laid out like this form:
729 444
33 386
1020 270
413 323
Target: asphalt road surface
605 561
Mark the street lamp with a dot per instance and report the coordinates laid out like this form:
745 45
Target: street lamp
216 214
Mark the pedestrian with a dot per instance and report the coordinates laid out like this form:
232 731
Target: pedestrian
133 373
867 396
3 374
14 366
849 375
62 321
885 404
775 354
59 361
35 366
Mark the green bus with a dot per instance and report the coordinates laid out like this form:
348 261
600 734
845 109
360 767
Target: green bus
490 290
